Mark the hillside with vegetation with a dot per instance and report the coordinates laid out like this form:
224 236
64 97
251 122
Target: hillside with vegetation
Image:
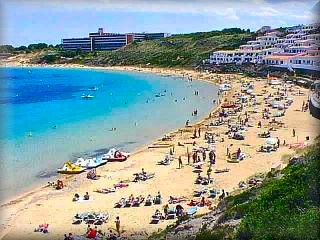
183 50
285 206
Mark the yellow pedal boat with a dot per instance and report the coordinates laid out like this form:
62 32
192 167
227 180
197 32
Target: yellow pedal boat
70 168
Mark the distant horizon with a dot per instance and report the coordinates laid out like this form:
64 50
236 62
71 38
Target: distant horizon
29 22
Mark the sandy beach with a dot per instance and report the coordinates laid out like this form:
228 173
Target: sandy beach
46 205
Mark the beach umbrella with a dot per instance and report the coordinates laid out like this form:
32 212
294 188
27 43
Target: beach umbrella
271 141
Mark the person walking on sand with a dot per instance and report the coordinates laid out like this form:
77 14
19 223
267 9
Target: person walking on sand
204 156
209 174
293 132
118 225
278 142
180 162
199 132
238 153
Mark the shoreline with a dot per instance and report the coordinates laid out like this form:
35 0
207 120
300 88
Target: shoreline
39 186
226 181
179 73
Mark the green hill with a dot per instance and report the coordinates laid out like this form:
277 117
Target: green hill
183 50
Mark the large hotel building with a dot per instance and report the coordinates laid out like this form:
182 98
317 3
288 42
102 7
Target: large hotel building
101 41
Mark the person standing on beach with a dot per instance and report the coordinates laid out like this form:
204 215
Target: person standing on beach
194 157
212 157
209 174
171 152
195 133
118 225
199 132
293 132
180 162
278 142
204 156
238 153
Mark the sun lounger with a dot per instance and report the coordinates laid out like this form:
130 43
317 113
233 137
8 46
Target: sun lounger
192 211
199 193
121 203
148 202
296 145
120 185
171 213
77 221
157 200
106 190
222 170
128 203
175 200
136 202
155 219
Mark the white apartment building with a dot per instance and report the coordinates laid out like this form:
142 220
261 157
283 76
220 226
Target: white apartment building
309 60
241 56
303 28
297 47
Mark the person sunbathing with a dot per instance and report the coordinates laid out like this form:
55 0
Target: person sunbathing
76 197
86 196
158 214
149 198
92 233
131 198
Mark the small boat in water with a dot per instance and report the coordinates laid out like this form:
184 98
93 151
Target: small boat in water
93 88
115 155
90 162
87 96
70 168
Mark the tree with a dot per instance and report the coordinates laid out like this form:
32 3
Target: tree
37 46
21 48
6 49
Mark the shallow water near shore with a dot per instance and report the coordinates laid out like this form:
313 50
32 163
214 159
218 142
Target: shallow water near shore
46 122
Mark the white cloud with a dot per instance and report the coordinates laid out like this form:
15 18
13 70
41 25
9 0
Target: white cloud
229 10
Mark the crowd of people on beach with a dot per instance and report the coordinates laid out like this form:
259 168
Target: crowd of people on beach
234 117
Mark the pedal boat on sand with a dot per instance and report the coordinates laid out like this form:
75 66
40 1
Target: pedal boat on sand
115 155
70 168
90 162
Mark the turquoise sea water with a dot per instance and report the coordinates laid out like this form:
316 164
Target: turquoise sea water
45 122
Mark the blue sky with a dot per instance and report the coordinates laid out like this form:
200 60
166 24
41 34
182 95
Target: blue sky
32 21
